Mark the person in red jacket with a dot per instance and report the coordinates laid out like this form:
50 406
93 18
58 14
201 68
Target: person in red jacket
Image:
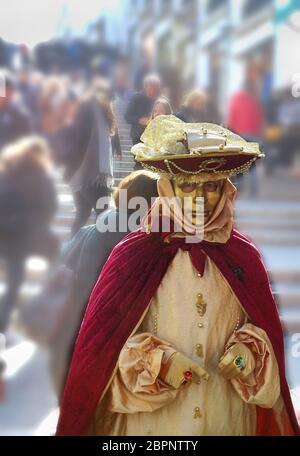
246 117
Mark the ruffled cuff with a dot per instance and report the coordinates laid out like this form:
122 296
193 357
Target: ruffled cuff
137 386
262 386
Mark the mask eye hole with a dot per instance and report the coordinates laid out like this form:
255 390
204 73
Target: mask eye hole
210 186
187 188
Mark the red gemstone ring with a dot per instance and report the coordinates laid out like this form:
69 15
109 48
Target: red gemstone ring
188 375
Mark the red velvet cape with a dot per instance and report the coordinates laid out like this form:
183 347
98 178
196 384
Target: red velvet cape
121 295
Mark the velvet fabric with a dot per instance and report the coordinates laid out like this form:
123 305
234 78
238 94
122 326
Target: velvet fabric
122 295
191 163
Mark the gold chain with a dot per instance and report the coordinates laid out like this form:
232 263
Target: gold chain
237 170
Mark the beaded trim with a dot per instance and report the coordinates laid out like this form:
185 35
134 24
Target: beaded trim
237 325
219 162
171 174
155 325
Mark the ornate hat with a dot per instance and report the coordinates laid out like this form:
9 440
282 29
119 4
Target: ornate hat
181 150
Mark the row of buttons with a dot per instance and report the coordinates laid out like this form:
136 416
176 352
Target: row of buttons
201 309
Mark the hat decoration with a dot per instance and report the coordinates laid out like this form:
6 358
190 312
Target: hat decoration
182 150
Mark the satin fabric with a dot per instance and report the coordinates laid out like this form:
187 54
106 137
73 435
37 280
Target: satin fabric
120 300
137 388
258 387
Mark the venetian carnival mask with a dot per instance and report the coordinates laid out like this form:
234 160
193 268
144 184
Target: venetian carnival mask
210 191
197 158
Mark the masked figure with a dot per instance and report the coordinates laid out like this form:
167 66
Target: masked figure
182 335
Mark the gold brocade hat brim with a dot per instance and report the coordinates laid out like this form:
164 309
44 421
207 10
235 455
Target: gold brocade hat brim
180 150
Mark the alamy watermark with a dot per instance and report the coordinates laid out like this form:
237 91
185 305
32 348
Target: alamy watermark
181 215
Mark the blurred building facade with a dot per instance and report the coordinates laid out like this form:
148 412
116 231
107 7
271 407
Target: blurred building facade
205 43
192 43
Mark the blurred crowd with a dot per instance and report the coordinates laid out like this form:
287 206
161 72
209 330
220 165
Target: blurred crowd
66 120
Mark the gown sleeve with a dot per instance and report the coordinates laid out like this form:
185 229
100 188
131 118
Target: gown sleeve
137 386
262 386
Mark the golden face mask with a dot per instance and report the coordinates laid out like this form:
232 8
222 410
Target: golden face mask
210 191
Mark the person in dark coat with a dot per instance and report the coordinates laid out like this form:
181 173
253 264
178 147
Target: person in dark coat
14 120
86 254
89 170
27 206
140 107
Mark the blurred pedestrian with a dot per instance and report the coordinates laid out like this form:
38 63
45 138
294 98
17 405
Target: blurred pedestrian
139 109
273 134
197 107
28 93
246 118
14 120
27 206
56 105
283 132
161 106
121 77
89 170
78 82
142 71
85 255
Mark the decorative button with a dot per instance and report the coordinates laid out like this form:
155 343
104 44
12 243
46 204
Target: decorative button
199 350
200 325
197 412
200 305
199 275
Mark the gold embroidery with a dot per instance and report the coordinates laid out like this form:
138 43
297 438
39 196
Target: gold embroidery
199 350
197 413
200 305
